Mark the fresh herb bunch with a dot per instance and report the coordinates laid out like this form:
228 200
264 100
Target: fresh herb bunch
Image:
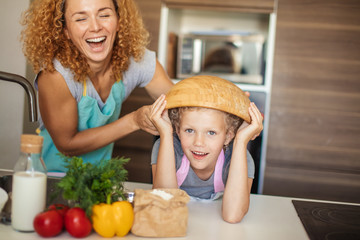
87 184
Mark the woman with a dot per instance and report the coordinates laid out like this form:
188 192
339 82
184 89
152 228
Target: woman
89 55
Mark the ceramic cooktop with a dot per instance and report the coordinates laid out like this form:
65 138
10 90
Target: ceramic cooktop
329 221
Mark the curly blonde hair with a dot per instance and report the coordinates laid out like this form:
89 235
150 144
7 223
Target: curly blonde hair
232 122
44 39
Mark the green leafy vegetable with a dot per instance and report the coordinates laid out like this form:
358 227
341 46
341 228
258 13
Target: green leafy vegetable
87 184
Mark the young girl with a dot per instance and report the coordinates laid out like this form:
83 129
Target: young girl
208 154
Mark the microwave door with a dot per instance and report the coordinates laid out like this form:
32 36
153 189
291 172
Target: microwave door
221 57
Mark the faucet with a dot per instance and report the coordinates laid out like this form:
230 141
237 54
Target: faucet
28 89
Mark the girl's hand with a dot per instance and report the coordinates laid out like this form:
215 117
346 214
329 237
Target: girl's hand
159 116
251 131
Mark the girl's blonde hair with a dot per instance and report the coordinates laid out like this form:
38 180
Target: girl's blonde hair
44 39
232 122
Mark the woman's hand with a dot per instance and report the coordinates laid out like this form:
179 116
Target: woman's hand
159 116
251 131
142 119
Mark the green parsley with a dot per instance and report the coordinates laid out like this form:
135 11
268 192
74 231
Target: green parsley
86 184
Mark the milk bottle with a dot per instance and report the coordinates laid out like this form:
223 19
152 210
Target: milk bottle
29 184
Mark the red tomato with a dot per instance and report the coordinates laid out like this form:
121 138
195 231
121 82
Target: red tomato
49 223
60 208
76 223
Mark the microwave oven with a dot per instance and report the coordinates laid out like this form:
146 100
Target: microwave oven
237 57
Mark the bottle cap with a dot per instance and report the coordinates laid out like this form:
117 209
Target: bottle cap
31 143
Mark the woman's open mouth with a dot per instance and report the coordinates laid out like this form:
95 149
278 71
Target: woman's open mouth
96 42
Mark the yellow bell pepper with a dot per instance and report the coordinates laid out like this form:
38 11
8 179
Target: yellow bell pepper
110 219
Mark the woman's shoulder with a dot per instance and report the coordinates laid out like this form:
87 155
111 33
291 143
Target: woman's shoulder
59 74
61 79
45 78
52 88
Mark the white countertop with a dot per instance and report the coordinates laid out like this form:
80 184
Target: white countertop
269 217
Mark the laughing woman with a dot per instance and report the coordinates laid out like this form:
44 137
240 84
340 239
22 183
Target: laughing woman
89 55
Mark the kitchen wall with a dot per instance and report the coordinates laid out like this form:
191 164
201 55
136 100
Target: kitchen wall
11 95
313 142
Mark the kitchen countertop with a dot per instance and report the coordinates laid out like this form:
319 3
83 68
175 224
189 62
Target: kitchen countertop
269 217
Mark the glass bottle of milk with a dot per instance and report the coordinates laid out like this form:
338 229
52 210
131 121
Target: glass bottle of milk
29 184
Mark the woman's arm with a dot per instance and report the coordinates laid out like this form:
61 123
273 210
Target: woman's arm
59 113
160 84
164 171
236 197
60 116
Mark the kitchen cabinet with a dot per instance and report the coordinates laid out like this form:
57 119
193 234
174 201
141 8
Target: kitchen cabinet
314 130
150 12
264 6
137 146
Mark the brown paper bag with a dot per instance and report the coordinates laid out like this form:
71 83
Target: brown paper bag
157 217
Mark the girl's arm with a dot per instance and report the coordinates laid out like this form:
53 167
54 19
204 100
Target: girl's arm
164 171
236 197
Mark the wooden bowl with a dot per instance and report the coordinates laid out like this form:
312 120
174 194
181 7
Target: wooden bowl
209 92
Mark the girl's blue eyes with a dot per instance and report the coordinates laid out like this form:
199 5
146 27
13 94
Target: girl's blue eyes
212 133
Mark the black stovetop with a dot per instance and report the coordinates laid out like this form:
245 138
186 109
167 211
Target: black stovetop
329 221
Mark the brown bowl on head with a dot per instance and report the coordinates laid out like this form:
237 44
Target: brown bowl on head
209 92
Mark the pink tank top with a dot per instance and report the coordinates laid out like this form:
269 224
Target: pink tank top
183 171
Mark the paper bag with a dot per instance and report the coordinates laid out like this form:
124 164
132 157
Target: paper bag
155 216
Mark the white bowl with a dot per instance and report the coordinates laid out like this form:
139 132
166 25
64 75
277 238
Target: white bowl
3 198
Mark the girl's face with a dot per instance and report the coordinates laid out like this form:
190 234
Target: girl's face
92 26
203 134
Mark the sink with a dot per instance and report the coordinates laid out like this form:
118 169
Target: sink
51 196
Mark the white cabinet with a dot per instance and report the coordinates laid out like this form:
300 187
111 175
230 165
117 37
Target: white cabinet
179 21
264 6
